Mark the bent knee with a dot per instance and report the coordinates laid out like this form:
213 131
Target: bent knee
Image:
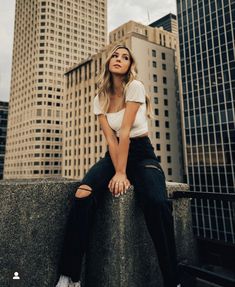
83 191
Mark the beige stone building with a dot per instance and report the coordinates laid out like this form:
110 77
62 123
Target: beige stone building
155 51
49 37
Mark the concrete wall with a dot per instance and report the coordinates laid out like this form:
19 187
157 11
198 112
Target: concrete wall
33 217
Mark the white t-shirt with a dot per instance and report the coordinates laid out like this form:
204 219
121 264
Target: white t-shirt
135 92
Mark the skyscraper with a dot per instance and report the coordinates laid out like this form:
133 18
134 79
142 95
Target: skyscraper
84 143
206 38
168 23
3 133
49 37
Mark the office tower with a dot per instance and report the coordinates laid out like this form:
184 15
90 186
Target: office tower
168 23
206 37
84 143
3 133
49 37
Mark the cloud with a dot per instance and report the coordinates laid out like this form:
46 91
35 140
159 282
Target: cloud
122 11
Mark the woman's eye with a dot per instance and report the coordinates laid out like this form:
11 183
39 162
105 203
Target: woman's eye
114 56
126 58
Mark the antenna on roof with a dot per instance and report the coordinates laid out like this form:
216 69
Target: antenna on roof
148 15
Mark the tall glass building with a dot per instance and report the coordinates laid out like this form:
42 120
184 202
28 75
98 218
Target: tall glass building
207 48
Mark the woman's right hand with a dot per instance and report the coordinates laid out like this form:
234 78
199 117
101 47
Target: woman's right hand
119 184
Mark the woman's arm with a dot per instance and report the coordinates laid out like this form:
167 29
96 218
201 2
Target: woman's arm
114 154
110 138
123 146
127 122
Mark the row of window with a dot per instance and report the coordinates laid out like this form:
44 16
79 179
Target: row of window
47 147
158 135
45 103
164 79
71 3
166 112
87 140
168 148
211 138
154 54
55 171
154 64
25 172
157 124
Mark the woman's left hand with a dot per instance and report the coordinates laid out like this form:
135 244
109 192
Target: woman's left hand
118 184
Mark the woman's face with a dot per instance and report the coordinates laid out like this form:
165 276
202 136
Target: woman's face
120 62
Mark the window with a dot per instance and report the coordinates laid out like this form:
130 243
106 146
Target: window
155 78
167 125
156 112
165 92
163 56
154 63
165 102
164 66
169 171
164 79
169 159
168 147
39 112
167 136
156 123
166 113
154 54
155 89
158 146
157 135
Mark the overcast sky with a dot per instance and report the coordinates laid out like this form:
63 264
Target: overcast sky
119 12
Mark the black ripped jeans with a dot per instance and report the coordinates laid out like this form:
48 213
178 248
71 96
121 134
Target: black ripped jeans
145 173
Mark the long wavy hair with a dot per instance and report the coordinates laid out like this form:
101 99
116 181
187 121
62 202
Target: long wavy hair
105 83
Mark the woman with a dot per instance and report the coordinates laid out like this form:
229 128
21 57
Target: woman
121 106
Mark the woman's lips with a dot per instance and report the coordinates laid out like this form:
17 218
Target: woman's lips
117 66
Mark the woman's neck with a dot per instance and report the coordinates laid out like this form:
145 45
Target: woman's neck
117 86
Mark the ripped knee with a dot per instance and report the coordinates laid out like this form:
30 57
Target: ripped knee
83 191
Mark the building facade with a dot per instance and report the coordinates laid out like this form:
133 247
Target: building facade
84 142
3 134
207 45
168 23
49 37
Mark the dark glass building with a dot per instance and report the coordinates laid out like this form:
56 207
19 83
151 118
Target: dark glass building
168 23
207 45
3 133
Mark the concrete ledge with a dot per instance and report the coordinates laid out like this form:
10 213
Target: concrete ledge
33 217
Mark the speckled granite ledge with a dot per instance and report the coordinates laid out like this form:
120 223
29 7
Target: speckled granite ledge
33 217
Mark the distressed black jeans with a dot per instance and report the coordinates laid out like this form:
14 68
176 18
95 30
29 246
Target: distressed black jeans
145 173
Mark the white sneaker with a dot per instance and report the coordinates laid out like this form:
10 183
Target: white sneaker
63 281
179 285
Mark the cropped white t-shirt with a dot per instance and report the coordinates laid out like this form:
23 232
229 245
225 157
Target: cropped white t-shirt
135 92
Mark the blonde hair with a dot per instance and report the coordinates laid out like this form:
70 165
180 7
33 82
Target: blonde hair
105 83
